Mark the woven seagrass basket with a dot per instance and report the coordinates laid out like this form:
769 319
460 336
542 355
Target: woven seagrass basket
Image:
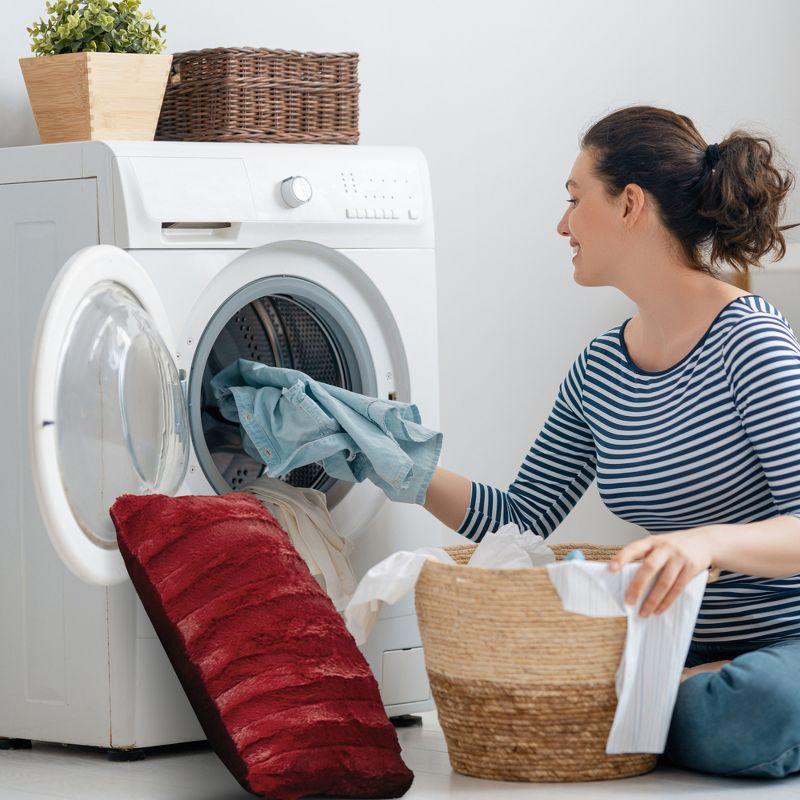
253 94
524 689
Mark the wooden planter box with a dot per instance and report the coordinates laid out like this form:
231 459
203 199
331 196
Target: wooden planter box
80 96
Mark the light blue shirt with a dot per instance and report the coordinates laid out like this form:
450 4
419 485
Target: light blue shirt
289 420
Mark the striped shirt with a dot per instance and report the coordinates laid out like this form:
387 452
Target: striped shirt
713 439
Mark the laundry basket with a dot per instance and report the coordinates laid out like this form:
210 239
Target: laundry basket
525 690
254 94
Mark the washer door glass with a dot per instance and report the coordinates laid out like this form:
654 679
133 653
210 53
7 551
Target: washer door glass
120 417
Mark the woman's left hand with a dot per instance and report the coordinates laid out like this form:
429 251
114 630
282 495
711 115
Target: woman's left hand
677 557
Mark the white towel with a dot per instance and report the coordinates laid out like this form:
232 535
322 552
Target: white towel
303 514
655 650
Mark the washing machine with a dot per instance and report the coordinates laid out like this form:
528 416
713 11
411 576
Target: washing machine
131 273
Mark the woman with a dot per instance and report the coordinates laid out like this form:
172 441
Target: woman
688 413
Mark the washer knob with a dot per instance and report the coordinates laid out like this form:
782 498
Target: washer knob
295 191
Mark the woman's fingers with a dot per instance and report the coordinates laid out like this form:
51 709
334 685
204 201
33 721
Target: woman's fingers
657 597
677 587
632 551
650 566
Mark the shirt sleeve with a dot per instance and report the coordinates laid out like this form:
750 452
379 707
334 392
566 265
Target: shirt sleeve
556 471
762 364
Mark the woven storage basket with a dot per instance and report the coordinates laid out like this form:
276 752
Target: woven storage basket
524 689
248 94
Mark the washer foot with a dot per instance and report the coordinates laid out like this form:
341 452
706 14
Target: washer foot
406 721
133 754
14 744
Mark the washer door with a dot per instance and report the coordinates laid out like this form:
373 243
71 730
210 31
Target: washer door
108 416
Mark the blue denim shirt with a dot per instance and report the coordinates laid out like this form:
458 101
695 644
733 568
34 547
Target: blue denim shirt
289 420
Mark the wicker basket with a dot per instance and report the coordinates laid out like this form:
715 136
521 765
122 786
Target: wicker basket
525 690
248 94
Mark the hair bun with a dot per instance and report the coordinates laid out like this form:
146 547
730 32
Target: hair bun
712 155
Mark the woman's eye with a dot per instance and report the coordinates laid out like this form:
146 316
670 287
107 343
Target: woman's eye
572 200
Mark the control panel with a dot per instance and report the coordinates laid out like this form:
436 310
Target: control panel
380 193
187 191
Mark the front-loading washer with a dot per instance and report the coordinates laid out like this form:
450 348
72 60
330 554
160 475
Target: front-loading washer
128 291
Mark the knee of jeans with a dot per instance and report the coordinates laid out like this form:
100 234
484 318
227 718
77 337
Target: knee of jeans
725 722
751 695
761 685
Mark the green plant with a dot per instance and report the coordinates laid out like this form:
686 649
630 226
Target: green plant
103 26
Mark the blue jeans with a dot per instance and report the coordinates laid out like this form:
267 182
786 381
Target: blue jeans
743 720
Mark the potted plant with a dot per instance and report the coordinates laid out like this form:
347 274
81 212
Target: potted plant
97 72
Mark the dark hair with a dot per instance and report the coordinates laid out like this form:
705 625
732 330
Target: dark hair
734 207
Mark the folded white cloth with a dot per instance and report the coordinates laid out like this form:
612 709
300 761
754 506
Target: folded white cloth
303 514
650 670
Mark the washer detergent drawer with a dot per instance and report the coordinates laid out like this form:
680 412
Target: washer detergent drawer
403 677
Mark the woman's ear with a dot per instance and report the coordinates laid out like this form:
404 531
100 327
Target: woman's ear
633 203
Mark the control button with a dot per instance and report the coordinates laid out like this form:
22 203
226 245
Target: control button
351 213
395 215
360 213
413 213
385 213
295 191
370 213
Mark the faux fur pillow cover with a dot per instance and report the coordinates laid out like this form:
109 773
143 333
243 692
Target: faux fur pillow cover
279 686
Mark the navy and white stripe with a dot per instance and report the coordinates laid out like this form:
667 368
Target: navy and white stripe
712 439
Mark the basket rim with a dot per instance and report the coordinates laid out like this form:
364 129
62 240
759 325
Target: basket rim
515 570
498 570
262 51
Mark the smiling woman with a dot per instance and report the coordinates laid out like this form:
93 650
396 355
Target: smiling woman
688 416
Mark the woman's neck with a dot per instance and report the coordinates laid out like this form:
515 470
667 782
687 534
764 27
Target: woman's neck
673 314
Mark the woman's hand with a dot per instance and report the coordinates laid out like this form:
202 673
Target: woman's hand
676 557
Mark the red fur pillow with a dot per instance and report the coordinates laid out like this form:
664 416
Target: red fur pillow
283 693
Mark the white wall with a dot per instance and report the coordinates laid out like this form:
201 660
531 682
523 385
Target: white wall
496 94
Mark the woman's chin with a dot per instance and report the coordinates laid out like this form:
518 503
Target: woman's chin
582 278
577 274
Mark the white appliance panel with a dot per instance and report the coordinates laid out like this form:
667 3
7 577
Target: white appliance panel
54 629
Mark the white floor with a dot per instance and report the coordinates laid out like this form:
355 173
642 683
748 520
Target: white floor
53 771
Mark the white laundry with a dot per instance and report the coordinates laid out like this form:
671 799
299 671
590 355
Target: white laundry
387 582
395 576
655 649
303 514
507 548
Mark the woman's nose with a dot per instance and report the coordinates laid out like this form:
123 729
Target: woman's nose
562 227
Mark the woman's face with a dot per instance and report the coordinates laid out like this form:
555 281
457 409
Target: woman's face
594 223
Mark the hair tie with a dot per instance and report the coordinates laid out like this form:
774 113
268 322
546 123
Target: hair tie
712 155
